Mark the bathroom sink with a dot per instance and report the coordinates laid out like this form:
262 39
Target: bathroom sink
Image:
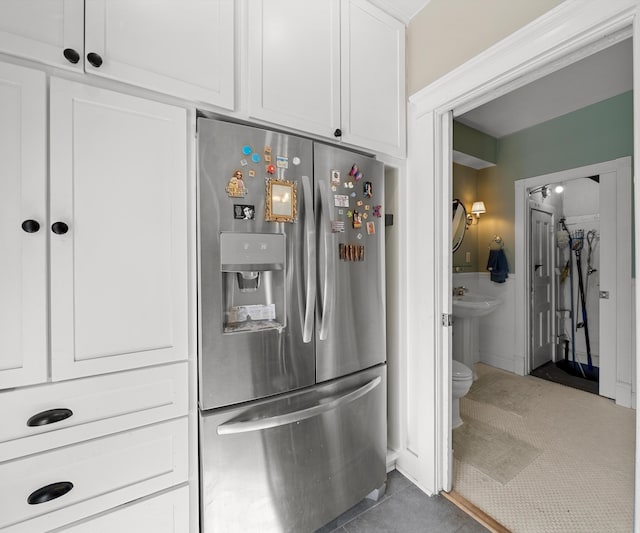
472 305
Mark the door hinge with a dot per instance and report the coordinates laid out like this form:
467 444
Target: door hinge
604 295
447 320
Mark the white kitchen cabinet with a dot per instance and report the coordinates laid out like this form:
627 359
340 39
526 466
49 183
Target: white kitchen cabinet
118 231
49 31
373 78
23 226
294 64
60 486
166 513
334 68
53 415
183 48
179 47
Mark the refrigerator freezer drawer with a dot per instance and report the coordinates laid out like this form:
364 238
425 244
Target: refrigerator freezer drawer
295 462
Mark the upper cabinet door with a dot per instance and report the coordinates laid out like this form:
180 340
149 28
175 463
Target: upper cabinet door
373 79
23 227
51 32
180 47
294 64
119 231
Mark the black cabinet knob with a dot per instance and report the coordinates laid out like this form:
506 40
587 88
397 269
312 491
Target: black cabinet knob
337 133
51 416
30 226
50 492
59 228
94 59
71 55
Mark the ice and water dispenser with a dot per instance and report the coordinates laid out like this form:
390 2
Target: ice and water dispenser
253 270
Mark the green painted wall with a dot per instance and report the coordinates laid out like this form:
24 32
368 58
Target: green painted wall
465 186
597 133
475 143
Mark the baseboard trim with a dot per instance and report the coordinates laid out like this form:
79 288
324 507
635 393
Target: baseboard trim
475 512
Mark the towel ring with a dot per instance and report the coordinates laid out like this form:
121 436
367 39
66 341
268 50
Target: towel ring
496 243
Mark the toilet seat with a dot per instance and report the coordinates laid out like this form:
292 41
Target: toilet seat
460 372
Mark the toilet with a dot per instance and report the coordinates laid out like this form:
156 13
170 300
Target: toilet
461 380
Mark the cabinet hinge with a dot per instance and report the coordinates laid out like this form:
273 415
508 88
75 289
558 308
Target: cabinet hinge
447 320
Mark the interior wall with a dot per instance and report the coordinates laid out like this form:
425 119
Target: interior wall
464 188
597 133
447 33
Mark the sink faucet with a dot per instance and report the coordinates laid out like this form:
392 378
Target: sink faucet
459 291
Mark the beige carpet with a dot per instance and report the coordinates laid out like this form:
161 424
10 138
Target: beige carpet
542 457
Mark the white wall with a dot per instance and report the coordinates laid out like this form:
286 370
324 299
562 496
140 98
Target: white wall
446 33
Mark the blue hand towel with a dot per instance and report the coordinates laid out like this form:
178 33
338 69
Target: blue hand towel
498 266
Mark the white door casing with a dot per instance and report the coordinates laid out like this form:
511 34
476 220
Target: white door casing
553 41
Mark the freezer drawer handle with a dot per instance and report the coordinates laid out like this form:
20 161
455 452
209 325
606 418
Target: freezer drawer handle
50 416
50 492
231 428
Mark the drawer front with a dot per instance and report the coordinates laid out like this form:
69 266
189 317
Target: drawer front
166 513
92 406
103 473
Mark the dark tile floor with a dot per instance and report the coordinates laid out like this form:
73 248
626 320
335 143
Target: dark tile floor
404 509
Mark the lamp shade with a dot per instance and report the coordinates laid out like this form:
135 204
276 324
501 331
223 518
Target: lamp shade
478 208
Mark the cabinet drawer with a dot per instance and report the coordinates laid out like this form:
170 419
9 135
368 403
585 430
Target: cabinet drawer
166 513
99 405
100 474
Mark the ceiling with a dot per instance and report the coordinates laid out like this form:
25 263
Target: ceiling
595 78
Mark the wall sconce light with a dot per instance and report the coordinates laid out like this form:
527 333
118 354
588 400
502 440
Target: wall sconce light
545 190
476 209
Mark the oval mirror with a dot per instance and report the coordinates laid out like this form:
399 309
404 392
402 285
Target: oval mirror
459 224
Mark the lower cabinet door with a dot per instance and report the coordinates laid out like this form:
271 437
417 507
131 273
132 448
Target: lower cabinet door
52 489
166 513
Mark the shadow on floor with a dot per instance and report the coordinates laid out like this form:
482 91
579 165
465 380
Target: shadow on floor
551 372
404 509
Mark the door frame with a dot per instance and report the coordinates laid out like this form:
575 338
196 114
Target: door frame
528 280
612 379
553 41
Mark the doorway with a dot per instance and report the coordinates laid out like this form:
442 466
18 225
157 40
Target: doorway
611 325
543 46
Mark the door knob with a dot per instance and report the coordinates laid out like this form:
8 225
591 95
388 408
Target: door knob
71 55
59 228
30 226
94 59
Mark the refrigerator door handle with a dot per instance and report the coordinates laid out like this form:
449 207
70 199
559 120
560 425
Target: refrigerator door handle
329 263
324 405
310 254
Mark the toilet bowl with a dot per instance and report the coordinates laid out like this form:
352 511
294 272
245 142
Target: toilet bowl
461 380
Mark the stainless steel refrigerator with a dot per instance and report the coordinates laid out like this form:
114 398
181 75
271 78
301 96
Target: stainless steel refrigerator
292 373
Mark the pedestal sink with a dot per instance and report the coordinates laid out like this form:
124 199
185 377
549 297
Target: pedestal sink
471 305
467 308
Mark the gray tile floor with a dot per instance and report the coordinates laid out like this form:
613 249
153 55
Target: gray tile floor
404 509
